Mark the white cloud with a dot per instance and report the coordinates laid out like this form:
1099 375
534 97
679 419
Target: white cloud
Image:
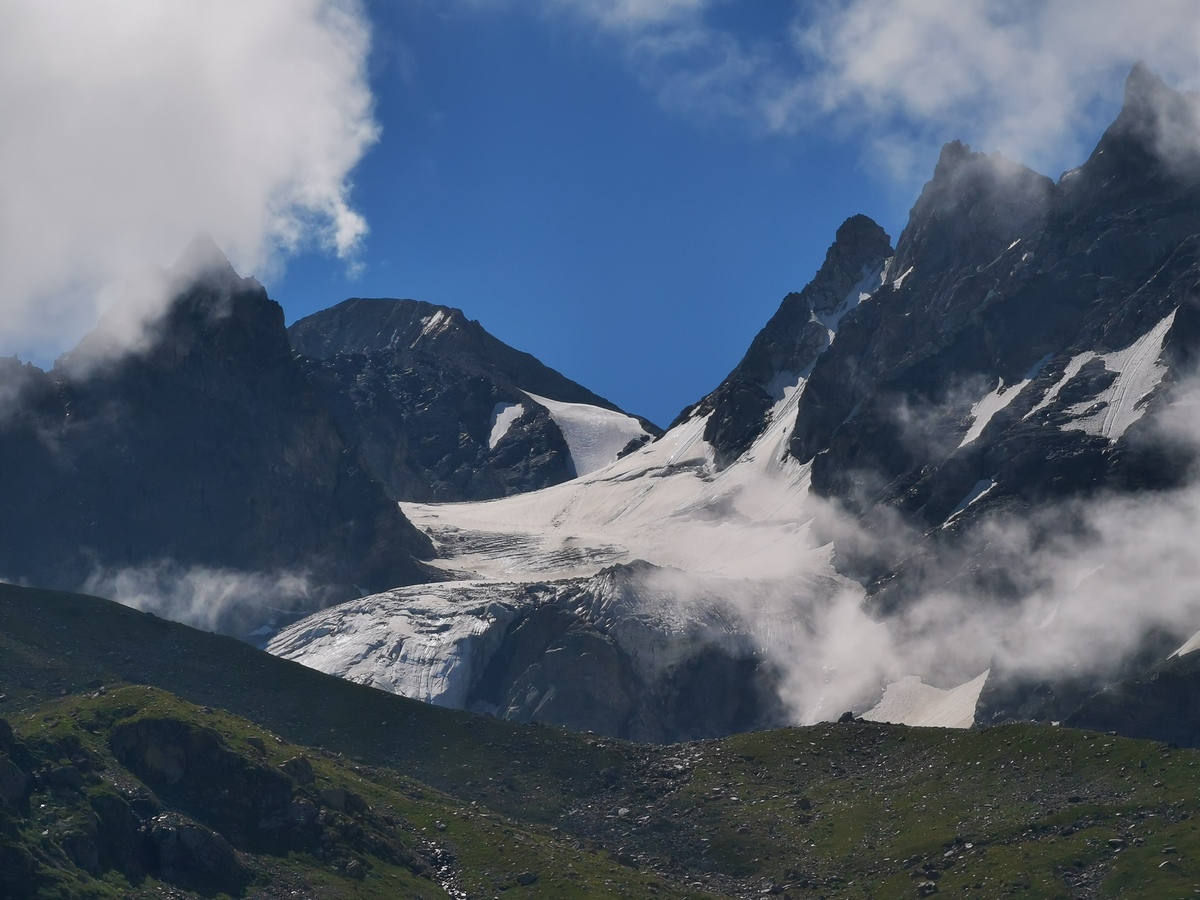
1021 77
130 126
224 600
632 13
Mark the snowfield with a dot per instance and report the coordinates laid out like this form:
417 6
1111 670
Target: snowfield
595 436
1139 371
732 553
503 417
910 701
665 503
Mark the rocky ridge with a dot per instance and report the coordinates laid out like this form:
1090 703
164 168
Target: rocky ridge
206 446
441 410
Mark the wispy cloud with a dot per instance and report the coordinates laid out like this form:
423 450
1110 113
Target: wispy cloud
1033 80
224 600
129 127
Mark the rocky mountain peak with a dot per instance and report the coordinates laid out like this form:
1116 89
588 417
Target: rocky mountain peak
1142 87
203 261
1151 106
788 346
859 246
1150 149
975 205
216 314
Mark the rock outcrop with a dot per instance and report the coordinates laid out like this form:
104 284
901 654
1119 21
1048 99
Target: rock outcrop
440 409
205 444
788 346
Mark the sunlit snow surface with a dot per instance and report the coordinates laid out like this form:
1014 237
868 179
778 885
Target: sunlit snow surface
987 407
981 489
1190 646
595 436
1138 369
910 701
503 417
665 503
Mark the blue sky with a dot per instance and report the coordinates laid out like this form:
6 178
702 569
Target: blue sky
624 188
542 170
525 175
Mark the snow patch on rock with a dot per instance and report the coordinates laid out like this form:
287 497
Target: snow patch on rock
987 407
595 436
910 701
1139 370
503 417
981 489
1191 645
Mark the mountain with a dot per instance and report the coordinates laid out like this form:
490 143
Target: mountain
934 449
788 346
651 599
204 449
440 409
1029 330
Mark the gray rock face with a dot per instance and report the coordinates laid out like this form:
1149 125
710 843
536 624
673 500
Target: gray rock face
600 658
789 344
417 388
1026 340
1016 354
208 446
1161 704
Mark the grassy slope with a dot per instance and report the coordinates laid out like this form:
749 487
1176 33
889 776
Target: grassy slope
850 810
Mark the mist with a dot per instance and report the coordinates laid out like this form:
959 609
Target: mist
210 598
131 127
1087 585
1032 80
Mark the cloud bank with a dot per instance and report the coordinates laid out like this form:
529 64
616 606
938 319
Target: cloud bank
223 600
1089 585
129 127
1033 80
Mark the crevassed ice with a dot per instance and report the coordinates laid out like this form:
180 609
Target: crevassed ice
411 641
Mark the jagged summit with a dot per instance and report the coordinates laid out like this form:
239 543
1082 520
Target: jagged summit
788 346
443 410
1149 98
975 204
203 260
1150 149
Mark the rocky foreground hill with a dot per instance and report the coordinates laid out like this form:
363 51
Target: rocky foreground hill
241 775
